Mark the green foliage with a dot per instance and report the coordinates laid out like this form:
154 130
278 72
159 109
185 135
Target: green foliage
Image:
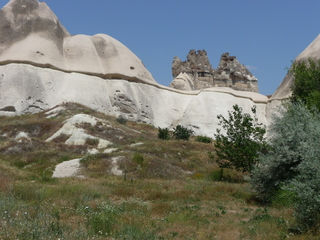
293 164
225 175
138 159
121 120
163 133
136 232
306 84
204 139
183 133
243 141
102 219
283 198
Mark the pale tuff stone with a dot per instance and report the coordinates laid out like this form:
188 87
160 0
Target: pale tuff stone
32 89
42 66
31 33
197 73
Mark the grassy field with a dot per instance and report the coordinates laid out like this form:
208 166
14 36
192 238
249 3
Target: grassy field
169 190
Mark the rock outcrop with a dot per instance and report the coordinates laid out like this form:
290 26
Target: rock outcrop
32 34
28 89
197 73
42 66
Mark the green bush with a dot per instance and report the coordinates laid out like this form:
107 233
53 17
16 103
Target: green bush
306 186
243 141
121 120
183 133
163 133
306 83
204 139
293 164
284 198
138 159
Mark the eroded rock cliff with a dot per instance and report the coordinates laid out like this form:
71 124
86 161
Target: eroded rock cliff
42 65
197 73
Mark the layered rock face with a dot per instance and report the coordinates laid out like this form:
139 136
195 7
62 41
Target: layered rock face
42 65
31 33
27 89
197 73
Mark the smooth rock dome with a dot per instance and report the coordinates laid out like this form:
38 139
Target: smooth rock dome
31 33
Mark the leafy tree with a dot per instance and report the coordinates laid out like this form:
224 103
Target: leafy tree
243 141
183 133
306 83
293 163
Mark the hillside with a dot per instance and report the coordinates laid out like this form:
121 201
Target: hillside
161 189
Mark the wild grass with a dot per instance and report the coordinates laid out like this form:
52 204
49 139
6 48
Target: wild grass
140 209
172 189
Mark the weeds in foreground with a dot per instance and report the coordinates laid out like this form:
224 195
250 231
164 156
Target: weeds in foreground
139 209
174 190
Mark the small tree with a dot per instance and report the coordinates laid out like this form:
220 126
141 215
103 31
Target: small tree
306 83
243 141
293 163
183 133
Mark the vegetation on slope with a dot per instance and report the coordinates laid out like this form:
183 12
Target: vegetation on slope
169 190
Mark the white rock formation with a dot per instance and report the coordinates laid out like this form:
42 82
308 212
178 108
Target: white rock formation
110 150
42 66
115 170
183 81
31 33
69 168
76 135
29 89
197 73
22 135
54 112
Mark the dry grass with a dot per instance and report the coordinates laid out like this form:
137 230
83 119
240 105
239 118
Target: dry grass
170 192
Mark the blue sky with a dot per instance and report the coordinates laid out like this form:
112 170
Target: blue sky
264 35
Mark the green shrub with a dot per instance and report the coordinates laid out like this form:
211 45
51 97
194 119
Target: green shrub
183 133
243 141
204 139
121 120
138 159
284 198
163 133
306 186
293 164
306 83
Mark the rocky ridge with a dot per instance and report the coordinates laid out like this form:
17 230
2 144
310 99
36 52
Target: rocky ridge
196 73
42 66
